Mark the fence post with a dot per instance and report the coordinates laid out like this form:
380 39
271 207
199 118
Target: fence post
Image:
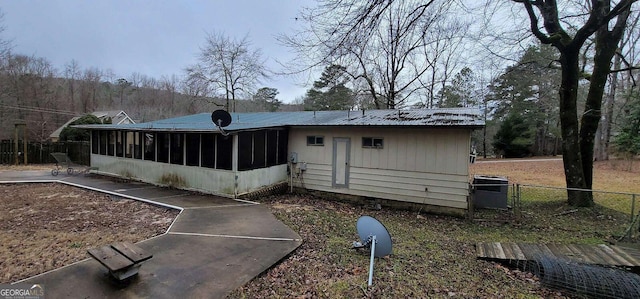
519 199
633 207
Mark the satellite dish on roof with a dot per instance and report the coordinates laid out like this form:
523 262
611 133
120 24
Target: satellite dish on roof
375 236
221 119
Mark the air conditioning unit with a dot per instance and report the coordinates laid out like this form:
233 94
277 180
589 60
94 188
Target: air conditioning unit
490 192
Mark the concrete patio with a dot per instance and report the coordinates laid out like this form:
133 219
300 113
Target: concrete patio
214 246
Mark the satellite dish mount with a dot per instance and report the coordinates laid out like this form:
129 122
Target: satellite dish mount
221 119
375 236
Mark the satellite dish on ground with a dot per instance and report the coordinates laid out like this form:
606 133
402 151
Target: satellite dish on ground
221 119
375 236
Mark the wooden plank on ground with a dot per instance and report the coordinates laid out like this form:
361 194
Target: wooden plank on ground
591 254
519 255
480 250
576 253
132 252
629 260
499 252
605 258
508 251
110 258
610 252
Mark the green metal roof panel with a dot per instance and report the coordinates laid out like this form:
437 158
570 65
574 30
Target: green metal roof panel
448 117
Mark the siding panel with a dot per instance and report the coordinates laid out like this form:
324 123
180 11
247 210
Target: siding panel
410 161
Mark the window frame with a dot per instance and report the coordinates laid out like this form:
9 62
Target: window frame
373 142
315 140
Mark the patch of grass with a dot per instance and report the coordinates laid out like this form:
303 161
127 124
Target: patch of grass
76 245
435 256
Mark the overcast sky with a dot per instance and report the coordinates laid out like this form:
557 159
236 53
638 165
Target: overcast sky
151 37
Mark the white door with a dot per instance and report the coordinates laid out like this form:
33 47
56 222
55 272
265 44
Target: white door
341 149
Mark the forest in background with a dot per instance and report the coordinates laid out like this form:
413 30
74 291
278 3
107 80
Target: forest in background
519 101
36 93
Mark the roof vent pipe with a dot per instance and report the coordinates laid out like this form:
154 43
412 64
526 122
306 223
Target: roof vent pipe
362 111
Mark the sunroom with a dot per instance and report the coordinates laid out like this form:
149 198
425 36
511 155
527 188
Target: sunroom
192 158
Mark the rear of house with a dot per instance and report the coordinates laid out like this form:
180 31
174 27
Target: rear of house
424 166
412 156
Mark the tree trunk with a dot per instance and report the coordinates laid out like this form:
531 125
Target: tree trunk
609 106
571 154
591 116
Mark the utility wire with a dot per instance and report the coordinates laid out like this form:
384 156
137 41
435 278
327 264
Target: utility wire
41 109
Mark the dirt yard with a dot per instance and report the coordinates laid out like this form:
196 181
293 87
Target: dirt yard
47 226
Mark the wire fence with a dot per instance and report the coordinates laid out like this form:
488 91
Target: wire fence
614 214
582 280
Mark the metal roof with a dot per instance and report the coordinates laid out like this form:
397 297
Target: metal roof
117 117
444 117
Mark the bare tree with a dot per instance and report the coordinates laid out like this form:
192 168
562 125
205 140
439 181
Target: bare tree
625 64
228 65
607 21
89 87
31 95
72 74
199 93
5 44
382 43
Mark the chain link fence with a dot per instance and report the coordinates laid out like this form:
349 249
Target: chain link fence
614 215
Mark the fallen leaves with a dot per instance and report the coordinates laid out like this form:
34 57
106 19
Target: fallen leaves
433 256
46 226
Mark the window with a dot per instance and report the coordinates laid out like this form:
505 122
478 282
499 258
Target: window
111 143
283 139
192 143
95 142
137 145
245 150
163 147
224 152
259 153
103 142
272 148
177 148
119 143
257 149
128 144
372 142
315 140
149 146
208 152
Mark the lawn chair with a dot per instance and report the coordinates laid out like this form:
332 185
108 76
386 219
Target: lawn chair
63 161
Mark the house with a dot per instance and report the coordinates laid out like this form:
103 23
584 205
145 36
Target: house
116 117
416 156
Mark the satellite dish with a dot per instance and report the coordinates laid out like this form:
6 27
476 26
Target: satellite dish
375 236
368 226
221 118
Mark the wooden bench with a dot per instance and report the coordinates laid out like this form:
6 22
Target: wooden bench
122 259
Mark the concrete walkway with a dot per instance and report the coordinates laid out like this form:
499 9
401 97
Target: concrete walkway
214 246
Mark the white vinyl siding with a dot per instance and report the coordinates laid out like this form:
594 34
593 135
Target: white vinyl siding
410 161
